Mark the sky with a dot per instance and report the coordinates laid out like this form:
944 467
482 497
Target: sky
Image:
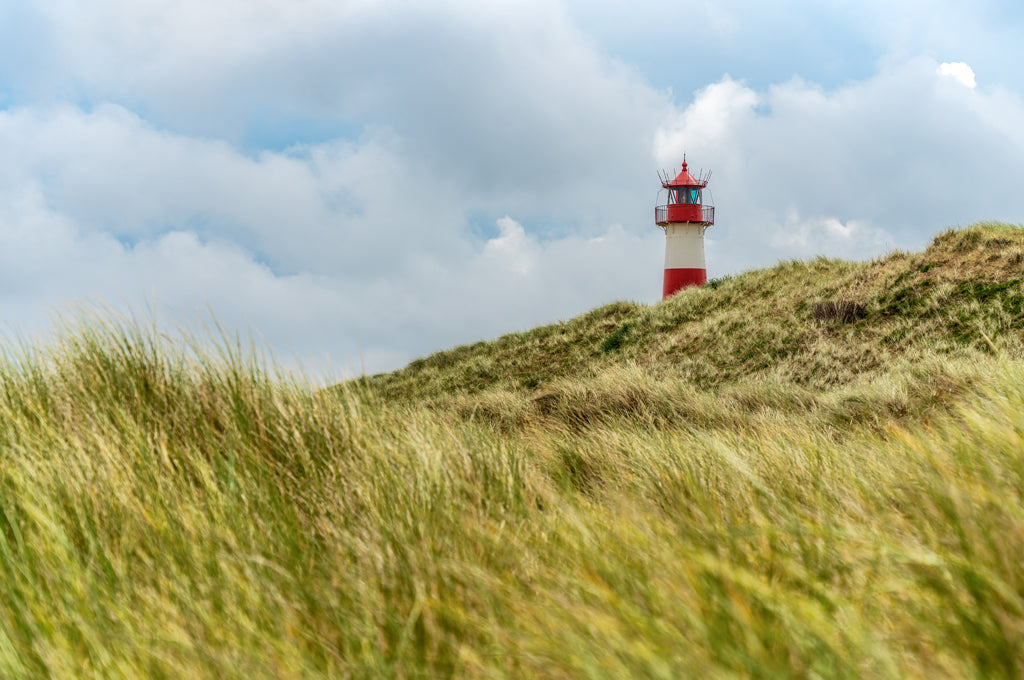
360 183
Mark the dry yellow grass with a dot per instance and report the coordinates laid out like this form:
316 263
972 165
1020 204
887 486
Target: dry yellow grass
168 511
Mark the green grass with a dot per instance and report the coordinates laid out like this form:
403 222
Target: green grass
726 489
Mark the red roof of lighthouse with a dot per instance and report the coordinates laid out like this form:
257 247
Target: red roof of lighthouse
684 179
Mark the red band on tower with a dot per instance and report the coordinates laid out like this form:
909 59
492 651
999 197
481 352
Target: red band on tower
677 279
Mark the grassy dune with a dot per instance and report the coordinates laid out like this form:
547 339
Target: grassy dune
948 303
717 486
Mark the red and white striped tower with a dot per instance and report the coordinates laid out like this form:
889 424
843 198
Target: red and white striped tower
684 218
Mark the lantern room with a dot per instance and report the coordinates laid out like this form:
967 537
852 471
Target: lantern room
685 201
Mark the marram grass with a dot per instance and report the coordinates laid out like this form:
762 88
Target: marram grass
169 511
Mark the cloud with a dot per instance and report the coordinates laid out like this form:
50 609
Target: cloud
467 86
706 125
958 71
321 210
513 250
828 235
322 252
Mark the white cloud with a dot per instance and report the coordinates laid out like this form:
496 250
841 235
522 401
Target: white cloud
706 124
958 71
513 250
324 253
467 86
806 237
334 208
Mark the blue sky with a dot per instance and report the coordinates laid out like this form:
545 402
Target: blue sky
361 183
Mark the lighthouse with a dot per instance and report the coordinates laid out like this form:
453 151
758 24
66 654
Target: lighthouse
684 218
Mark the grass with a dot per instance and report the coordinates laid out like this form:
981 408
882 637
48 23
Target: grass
728 489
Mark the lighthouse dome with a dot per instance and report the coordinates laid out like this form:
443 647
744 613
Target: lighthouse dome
685 179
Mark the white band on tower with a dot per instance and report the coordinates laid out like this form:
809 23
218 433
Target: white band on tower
684 246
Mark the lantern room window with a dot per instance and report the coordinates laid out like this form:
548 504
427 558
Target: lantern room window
685 196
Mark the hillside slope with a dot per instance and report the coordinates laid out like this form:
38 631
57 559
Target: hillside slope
809 328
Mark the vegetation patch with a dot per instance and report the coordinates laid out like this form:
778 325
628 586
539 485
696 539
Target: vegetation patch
1007 294
838 311
715 283
908 300
615 340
